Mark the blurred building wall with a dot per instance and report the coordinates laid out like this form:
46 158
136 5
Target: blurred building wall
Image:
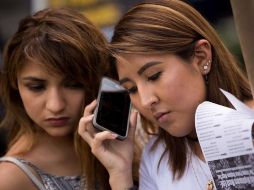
105 14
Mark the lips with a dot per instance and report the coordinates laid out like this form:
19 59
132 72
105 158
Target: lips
58 122
160 116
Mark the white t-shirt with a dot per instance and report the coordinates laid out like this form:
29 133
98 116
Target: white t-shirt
153 177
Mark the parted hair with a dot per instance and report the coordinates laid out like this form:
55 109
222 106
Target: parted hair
173 27
65 43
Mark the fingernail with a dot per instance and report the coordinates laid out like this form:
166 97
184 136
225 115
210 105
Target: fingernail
114 135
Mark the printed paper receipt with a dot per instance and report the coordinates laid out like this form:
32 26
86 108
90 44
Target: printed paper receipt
226 141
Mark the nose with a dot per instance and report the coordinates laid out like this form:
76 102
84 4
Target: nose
148 97
55 102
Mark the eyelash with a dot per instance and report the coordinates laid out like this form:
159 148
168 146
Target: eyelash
35 87
40 87
153 77
132 90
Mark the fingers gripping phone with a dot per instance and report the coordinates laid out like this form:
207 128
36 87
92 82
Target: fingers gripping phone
113 108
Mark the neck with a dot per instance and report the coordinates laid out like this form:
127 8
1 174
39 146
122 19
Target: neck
193 139
198 151
58 148
47 140
54 147
192 136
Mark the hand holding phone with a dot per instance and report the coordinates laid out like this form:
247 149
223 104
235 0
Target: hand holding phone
113 108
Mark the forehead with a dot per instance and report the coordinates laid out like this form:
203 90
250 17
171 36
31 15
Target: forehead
125 58
135 62
36 69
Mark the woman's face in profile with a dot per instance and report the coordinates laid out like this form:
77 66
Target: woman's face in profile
51 101
163 88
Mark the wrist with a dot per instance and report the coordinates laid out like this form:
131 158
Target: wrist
121 180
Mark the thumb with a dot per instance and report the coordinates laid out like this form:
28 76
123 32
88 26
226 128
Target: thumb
133 124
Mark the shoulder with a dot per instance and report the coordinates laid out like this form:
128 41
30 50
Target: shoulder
12 177
153 148
152 155
154 169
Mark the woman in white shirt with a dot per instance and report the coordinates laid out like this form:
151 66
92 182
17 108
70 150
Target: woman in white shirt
170 59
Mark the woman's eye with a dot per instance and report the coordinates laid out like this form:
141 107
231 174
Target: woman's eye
154 76
132 90
35 87
74 85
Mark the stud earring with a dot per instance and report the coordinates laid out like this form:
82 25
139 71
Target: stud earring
205 67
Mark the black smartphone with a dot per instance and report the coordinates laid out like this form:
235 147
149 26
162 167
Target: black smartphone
113 108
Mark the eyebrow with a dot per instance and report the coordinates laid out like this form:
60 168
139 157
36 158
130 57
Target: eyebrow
33 79
142 70
147 65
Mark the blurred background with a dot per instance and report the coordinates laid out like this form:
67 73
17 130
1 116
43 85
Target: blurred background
105 13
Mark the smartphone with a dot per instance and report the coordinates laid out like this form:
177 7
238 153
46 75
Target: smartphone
113 108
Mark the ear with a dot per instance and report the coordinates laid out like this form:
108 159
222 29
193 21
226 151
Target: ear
203 56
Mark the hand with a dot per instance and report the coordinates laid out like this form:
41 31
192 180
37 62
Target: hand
116 155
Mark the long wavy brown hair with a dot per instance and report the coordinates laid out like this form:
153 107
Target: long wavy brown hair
66 43
173 27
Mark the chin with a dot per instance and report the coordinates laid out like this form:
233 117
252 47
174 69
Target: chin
175 132
60 133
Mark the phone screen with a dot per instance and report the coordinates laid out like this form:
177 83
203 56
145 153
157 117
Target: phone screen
113 108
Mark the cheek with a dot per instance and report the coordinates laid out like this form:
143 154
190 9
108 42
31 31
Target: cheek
186 85
188 94
31 107
137 105
76 101
34 109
